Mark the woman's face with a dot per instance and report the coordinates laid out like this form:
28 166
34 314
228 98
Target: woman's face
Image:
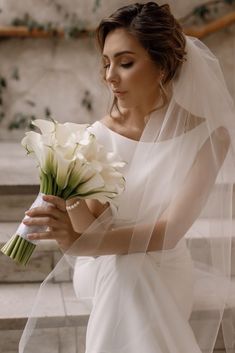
129 71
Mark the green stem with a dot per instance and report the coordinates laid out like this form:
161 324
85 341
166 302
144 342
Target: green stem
18 249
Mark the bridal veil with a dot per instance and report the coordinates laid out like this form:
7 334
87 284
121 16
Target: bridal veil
188 199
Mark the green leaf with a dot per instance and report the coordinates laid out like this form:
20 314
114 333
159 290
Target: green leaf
15 74
3 82
201 11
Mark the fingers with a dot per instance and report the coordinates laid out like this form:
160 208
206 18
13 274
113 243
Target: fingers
42 235
43 221
44 211
64 239
56 201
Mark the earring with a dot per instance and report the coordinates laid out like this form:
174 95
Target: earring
162 90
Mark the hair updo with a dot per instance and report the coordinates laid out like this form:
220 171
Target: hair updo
155 28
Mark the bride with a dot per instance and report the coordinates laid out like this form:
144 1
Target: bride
150 288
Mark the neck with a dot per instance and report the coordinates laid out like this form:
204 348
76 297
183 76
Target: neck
138 116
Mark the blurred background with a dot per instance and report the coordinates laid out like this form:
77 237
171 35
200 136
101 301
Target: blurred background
50 68
60 77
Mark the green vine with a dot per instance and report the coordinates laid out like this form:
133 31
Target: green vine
20 120
3 87
72 30
97 4
32 24
204 11
24 121
15 74
60 8
87 101
75 25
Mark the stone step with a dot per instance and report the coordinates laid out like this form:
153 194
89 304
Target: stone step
16 199
19 183
62 324
47 254
55 340
62 307
16 167
13 206
43 260
62 310
61 340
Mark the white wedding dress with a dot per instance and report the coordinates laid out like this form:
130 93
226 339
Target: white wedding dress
166 292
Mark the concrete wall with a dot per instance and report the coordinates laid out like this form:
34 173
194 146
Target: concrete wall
57 74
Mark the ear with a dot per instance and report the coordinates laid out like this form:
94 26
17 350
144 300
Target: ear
162 75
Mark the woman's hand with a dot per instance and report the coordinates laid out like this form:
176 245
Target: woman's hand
56 218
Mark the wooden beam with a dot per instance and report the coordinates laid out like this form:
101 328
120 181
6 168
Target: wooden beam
211 27
199 32
24 32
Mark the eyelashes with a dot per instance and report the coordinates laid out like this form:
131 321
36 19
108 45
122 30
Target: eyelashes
127 65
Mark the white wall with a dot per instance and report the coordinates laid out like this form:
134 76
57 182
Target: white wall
56 73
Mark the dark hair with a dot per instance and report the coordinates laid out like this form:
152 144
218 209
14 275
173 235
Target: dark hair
156 30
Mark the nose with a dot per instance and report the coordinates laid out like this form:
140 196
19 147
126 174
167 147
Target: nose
112 75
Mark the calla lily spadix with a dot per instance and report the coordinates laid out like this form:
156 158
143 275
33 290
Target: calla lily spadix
71 163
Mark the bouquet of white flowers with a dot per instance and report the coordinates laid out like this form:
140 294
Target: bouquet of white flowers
71 163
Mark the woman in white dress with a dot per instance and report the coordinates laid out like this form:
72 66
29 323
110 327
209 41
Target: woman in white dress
171 121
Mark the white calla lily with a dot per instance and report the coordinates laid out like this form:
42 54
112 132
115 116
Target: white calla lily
94 183
78 129
64 136
70 133
71 155
72 163
62 168
33 143
46 127
81 173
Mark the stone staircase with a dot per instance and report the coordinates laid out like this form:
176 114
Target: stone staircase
19 285
19 186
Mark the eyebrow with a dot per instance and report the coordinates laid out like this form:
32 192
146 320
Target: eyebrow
120 53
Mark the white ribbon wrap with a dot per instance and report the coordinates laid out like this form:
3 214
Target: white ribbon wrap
23 230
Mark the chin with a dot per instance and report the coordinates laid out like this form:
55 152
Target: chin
125 104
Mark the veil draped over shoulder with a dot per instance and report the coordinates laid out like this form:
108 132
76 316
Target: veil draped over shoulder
178 200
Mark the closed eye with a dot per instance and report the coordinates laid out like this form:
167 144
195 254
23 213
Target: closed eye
127 65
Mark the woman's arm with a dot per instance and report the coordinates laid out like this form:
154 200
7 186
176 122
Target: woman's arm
85 213
180 214
194 192
175 220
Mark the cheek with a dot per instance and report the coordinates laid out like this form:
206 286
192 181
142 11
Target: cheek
149 78
131 77
142 77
